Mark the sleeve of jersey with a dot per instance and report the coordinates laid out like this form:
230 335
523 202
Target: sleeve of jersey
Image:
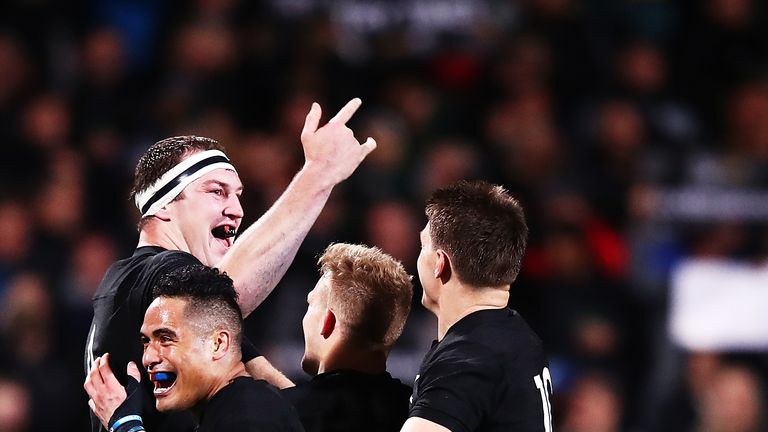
248 349
160 265
456 393
166 262
258 414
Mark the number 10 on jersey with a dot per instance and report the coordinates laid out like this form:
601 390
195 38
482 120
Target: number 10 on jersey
544 384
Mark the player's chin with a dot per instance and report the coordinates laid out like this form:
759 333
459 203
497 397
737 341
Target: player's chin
169 404
163 405
309 366
428 303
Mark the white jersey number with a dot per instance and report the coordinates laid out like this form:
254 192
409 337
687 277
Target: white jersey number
544 384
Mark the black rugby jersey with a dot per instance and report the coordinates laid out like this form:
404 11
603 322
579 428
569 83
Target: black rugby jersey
248 405
351 401
488 374
119 304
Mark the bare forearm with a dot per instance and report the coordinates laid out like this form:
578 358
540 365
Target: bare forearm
263 252
261 368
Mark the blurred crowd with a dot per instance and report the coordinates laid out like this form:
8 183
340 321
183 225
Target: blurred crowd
634 132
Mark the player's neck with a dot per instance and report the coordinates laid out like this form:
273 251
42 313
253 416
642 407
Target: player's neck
347 356
218 383
458 301
151 235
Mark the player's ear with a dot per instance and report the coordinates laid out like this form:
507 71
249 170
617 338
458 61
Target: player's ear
164 213
329 324
222 343
442 265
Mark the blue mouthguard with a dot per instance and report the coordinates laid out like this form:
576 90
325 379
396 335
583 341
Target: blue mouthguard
162 376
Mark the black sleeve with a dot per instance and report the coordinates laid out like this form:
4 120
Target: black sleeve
457 393
162 264
248 349
250 406
158 266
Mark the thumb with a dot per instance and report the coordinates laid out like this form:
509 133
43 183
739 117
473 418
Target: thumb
133 371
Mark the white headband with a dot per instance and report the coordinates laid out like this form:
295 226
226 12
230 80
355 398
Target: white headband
170 185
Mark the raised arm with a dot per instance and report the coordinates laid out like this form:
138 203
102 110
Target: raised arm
263 252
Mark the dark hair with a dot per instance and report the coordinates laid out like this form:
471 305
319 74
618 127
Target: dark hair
211 296
482 229
163 155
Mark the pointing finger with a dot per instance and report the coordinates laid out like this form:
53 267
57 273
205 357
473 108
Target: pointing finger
346 113
312 121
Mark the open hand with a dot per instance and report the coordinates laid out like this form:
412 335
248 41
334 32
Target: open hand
105 392
333 149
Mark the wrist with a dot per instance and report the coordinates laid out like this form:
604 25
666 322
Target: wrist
126 417
316 176
129 423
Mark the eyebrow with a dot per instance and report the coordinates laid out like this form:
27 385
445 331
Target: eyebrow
164 332
222 184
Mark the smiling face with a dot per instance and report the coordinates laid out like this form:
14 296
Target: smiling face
207 215
176 355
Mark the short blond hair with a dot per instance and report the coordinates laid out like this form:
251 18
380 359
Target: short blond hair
369 292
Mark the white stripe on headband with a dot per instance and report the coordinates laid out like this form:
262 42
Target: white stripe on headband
170 185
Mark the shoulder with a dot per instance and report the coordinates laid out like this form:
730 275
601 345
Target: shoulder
130 274
163 262
298 392
268 398
248 404
347 384
156 265
247 387
491 333
491 344
149 259
351 401
170 259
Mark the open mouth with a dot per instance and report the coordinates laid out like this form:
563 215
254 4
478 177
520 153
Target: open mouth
163 381
225 232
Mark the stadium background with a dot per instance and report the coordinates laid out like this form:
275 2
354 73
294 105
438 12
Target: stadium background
634 131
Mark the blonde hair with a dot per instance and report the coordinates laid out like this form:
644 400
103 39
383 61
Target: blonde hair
370 292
